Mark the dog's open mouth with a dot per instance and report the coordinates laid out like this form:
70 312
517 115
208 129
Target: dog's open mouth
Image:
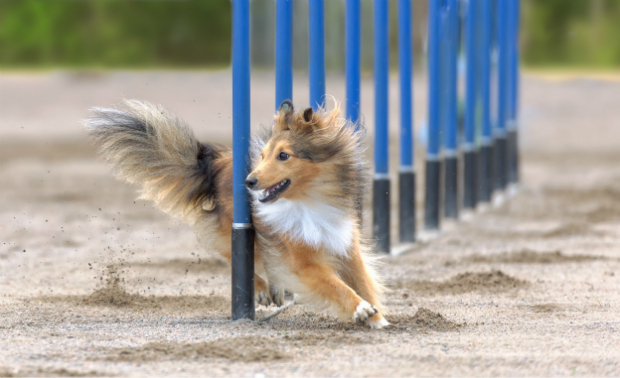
272 193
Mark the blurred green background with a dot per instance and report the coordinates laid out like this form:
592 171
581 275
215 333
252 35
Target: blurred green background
197 33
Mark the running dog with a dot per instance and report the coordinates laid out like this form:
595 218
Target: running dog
307 184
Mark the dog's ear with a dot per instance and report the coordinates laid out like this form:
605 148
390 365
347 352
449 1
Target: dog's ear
284 117
286 107
306 122
308 114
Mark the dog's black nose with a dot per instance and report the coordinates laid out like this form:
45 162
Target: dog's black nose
251 182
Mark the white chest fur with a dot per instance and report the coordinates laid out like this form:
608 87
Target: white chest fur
312 222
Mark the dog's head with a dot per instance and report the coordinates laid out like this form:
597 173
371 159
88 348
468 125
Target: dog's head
302 148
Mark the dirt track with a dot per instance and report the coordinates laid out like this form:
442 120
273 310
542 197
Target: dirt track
95 282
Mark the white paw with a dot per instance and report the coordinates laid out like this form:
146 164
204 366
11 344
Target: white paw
364 311
378 324
263 298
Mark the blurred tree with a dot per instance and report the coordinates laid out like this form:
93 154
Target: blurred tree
571 33
197 33
110 33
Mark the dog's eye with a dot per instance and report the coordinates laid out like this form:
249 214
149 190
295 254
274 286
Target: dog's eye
283 156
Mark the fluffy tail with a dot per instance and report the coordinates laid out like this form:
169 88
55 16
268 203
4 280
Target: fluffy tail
146 144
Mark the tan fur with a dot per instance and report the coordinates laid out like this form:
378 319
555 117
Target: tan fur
193 181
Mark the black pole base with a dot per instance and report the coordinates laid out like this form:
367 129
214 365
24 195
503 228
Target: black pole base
381 214
451 209
243 273
501 166
486 183
432 195
513 157
406 192
470 179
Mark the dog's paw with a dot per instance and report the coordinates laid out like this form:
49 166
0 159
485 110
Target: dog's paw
364 311
378 322
277 295
263 297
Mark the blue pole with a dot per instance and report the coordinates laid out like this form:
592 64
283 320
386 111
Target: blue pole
470 149
487 155
435 87
406 178
485 72
242 233
434 75
406 67
352 60
284 51
471 87
451 126
316 31
503 81
382 62
381 185
451 203
516 8
513 145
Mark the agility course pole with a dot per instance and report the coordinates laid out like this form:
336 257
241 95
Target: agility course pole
486 168
512 136
451 158
316 46
472 101
353 38
432 192
284 51
406 175
381 183
242 233
503 63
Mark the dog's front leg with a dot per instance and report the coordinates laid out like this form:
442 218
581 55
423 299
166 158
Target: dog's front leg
322 283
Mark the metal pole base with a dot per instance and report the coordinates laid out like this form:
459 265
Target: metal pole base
513 157
406 190
381 213
501 166
486 184
451 209
470 179
432 194
243 273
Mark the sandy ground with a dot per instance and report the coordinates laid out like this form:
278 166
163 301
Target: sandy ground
95 282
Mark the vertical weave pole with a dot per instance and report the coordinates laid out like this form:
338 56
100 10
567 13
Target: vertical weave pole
242 233
470 147
432 194
353 38
513 136
381 183
284 51
503 80
406 177
316 31
451 205
486 170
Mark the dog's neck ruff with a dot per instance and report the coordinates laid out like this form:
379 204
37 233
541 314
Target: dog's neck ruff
310 221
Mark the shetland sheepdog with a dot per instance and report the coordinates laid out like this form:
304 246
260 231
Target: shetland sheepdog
307 183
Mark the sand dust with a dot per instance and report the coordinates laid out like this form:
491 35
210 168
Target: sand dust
62 372
425 320
94 282
199 265
493 281
246 349
527 256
